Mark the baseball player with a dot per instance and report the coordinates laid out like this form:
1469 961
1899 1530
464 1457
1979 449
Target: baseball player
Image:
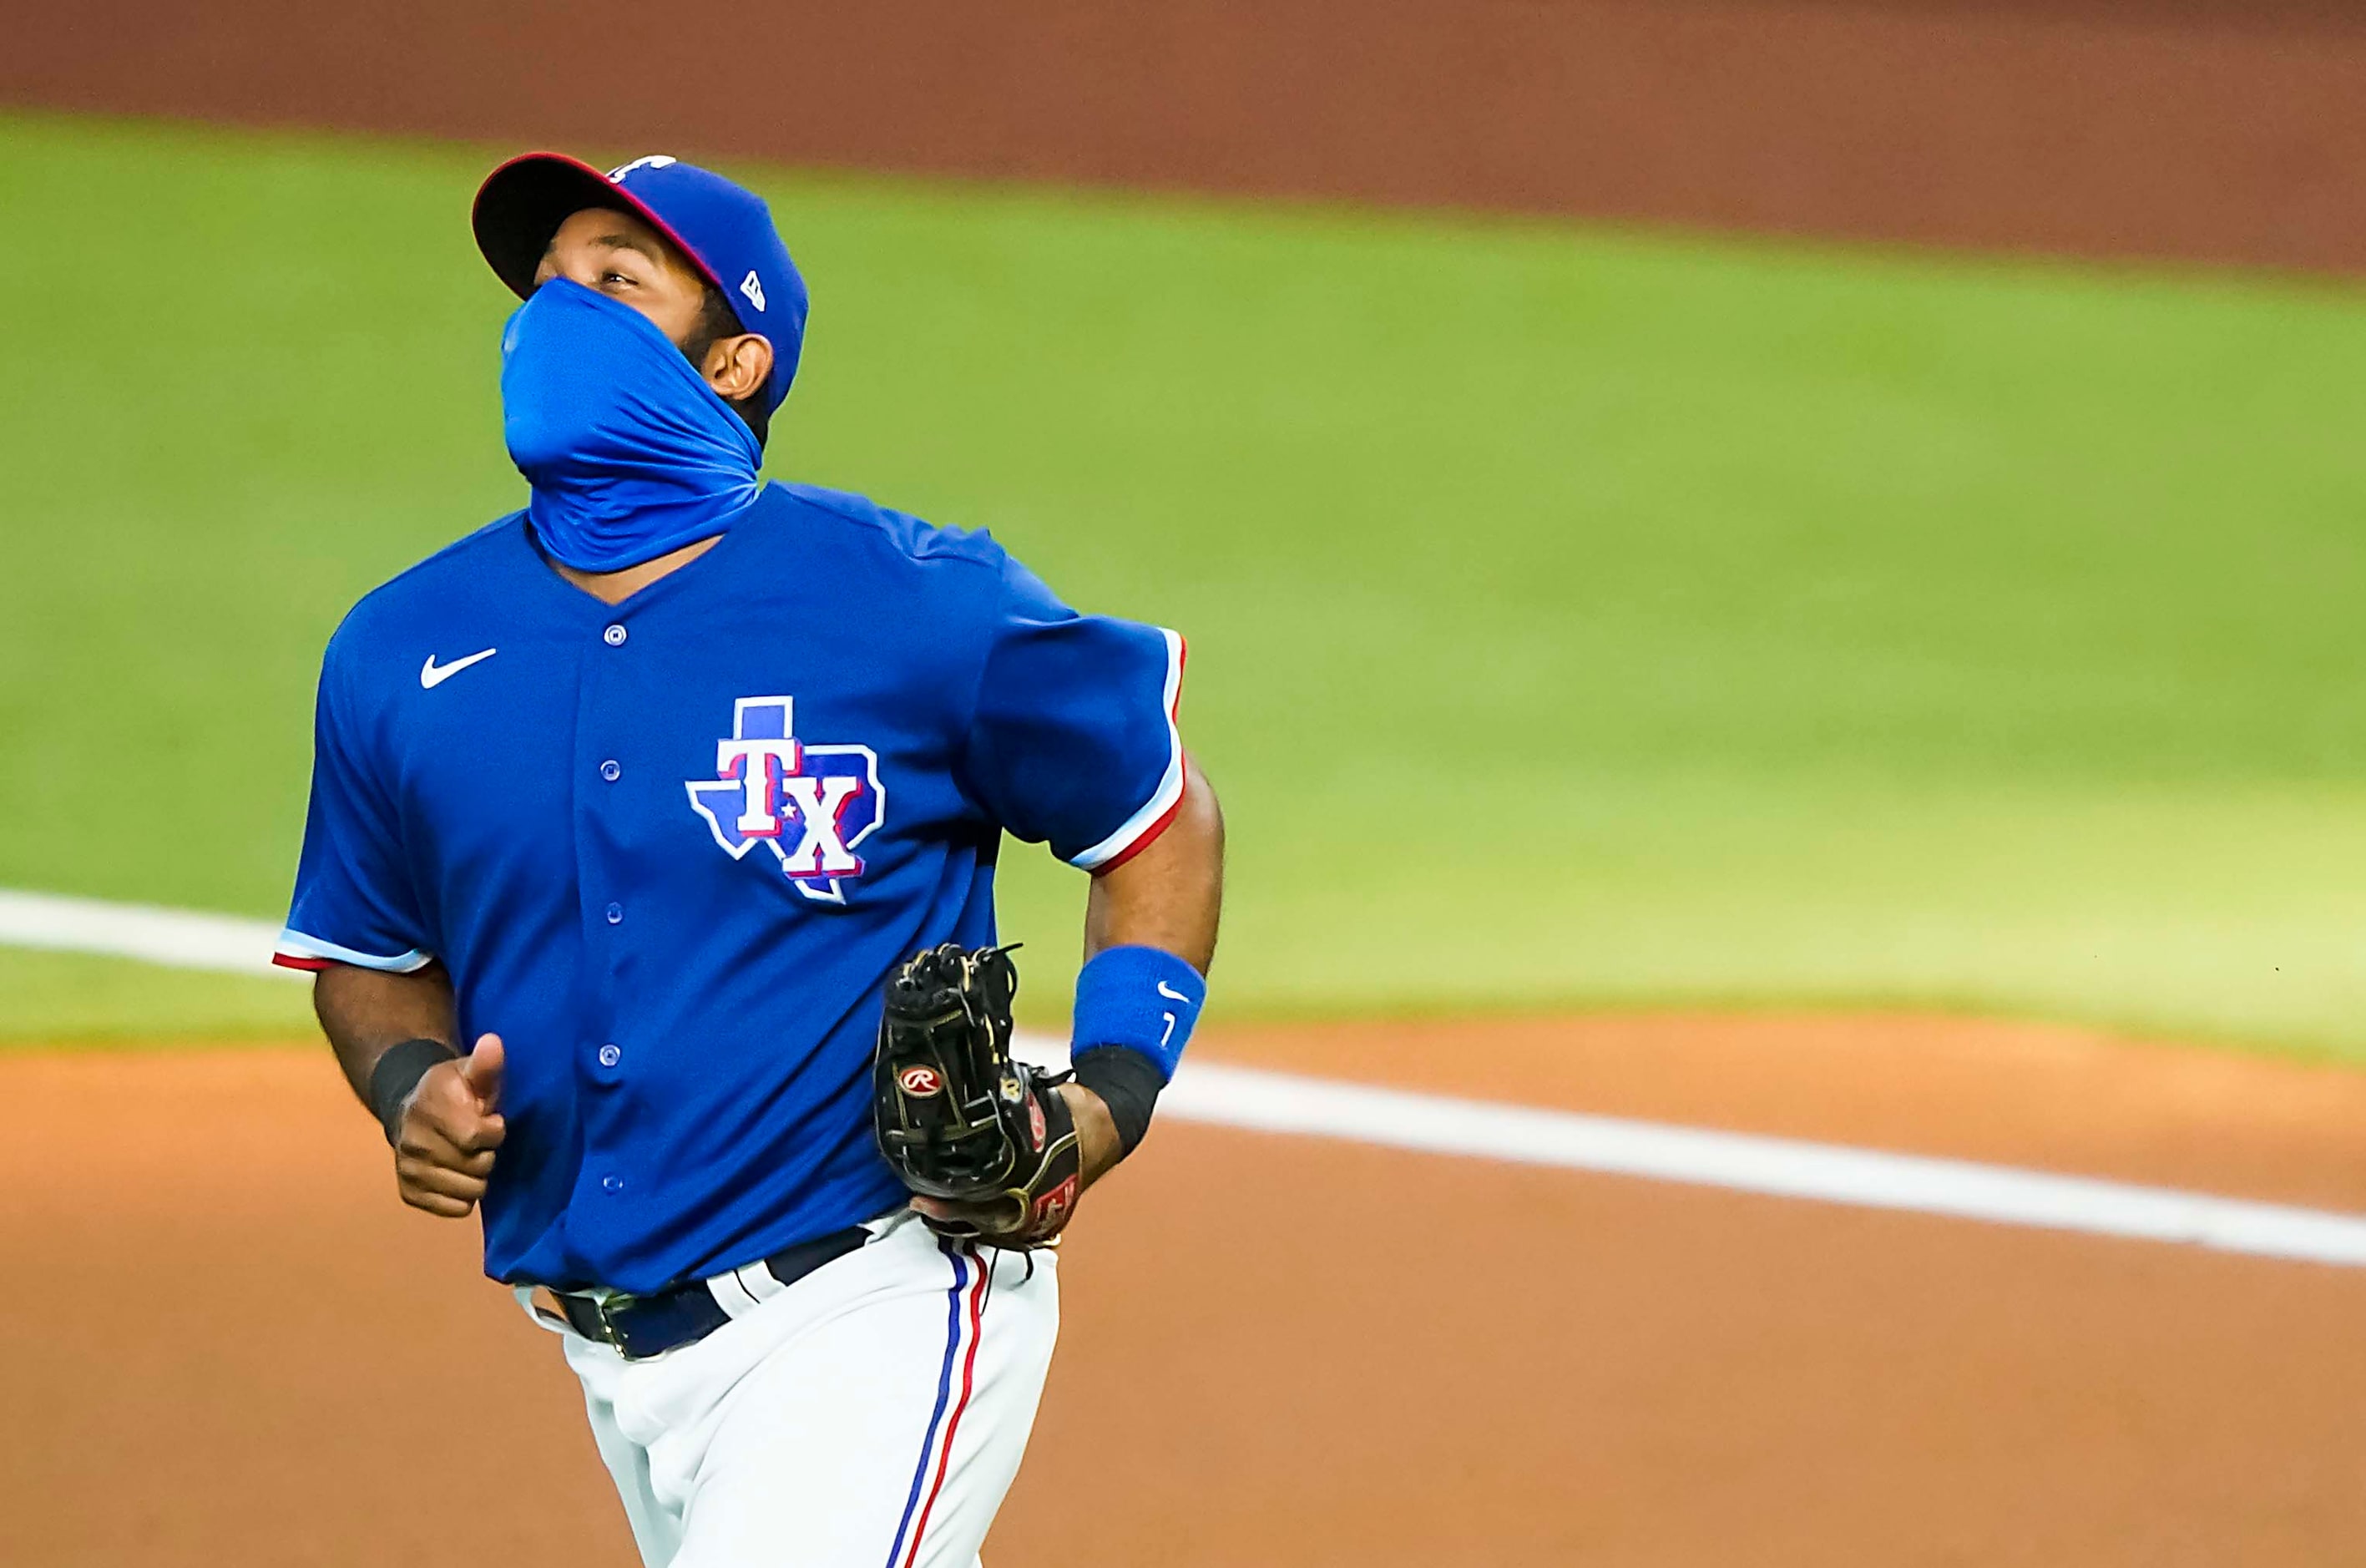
628 811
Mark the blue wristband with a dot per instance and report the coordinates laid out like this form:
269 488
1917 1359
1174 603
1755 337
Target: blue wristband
1144 998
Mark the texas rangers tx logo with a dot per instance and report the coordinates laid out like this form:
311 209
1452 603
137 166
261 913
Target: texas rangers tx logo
811 806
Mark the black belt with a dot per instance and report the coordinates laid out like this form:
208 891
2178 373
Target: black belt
642 1326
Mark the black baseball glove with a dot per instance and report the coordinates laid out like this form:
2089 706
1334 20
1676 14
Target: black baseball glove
956 1117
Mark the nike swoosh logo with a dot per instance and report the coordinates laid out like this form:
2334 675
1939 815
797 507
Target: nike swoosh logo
432 674
1172 995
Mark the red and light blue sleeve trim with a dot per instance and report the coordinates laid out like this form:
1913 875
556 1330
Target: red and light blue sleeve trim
1140 830
297 951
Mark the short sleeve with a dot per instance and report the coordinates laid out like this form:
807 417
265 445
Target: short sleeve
1073 740
355 902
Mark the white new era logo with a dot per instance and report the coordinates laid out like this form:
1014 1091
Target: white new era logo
752 286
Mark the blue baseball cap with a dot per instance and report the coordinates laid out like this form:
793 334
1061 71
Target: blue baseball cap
723 228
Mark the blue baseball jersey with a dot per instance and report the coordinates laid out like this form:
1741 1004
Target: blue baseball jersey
671 849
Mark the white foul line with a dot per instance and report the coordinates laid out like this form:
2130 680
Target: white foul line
1257 1100
181 938
1740 1162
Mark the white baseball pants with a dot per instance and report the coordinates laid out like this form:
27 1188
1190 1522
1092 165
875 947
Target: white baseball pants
870 1416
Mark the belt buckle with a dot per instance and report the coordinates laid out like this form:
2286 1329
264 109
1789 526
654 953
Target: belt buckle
604 1309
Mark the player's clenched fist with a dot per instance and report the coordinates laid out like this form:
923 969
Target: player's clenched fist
446 1129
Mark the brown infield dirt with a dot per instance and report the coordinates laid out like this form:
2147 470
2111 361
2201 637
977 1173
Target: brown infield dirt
229 1345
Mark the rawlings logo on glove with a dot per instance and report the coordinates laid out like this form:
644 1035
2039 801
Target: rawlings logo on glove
957 1118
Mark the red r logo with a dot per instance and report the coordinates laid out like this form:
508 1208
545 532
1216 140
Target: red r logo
920 1080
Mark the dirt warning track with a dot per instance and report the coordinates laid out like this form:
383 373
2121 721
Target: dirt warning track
2230 131
234 1345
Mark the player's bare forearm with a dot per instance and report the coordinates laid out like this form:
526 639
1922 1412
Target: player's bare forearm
448 1125
363 1011
1096 1141
1170 896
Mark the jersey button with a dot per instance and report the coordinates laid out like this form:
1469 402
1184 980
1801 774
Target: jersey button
613 637
615 914
612 771
610 1055
612 1184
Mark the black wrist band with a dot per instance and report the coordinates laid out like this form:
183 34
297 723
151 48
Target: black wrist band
1128 1083
398 1073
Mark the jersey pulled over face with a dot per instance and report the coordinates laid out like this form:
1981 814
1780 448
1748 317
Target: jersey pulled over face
671 849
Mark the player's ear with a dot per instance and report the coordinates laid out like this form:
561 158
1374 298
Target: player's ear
737 367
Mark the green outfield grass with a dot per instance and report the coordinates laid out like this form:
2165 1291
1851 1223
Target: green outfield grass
1577 617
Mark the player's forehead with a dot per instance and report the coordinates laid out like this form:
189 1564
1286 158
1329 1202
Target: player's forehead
612 229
